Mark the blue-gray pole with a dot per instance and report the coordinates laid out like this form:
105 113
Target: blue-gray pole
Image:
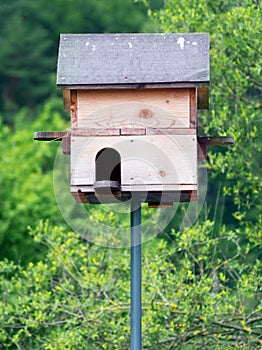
136 305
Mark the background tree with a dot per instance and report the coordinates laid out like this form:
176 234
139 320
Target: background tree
78 296
26 182
235 104
29 41
202 287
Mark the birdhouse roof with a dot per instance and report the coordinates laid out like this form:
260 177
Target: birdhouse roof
132 60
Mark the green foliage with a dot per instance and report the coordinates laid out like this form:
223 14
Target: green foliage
235 104
78 296
201 287
25 63
30 34
26 182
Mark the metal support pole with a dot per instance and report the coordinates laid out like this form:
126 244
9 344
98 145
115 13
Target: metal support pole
136 276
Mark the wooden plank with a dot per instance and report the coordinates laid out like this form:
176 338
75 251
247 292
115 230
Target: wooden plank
202 97
66 98
155 108
178 188
153 197
95 132
151 160
184 131
193 108
73 107
90 59
132 131
215 140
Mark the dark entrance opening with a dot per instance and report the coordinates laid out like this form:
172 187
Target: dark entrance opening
108 172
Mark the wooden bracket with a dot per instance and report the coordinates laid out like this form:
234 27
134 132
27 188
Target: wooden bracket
215 140
63 136
205 141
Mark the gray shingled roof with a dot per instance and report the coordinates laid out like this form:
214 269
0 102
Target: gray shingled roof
93 60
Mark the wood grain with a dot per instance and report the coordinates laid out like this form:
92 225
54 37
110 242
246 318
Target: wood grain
149 160
95 132
155 108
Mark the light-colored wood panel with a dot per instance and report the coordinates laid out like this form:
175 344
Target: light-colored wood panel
160 188
132 131
95 132
140 108
151 160
177 131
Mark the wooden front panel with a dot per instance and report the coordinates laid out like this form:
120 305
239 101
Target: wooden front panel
133 108
162 160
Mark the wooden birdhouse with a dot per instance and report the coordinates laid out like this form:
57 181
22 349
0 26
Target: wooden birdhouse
133 100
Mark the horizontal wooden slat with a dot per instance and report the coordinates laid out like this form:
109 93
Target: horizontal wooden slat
132 131
160 188
174 189
95 132
206 140
158 131
215 140
86 194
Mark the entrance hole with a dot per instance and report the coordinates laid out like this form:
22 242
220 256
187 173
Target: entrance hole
108 165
